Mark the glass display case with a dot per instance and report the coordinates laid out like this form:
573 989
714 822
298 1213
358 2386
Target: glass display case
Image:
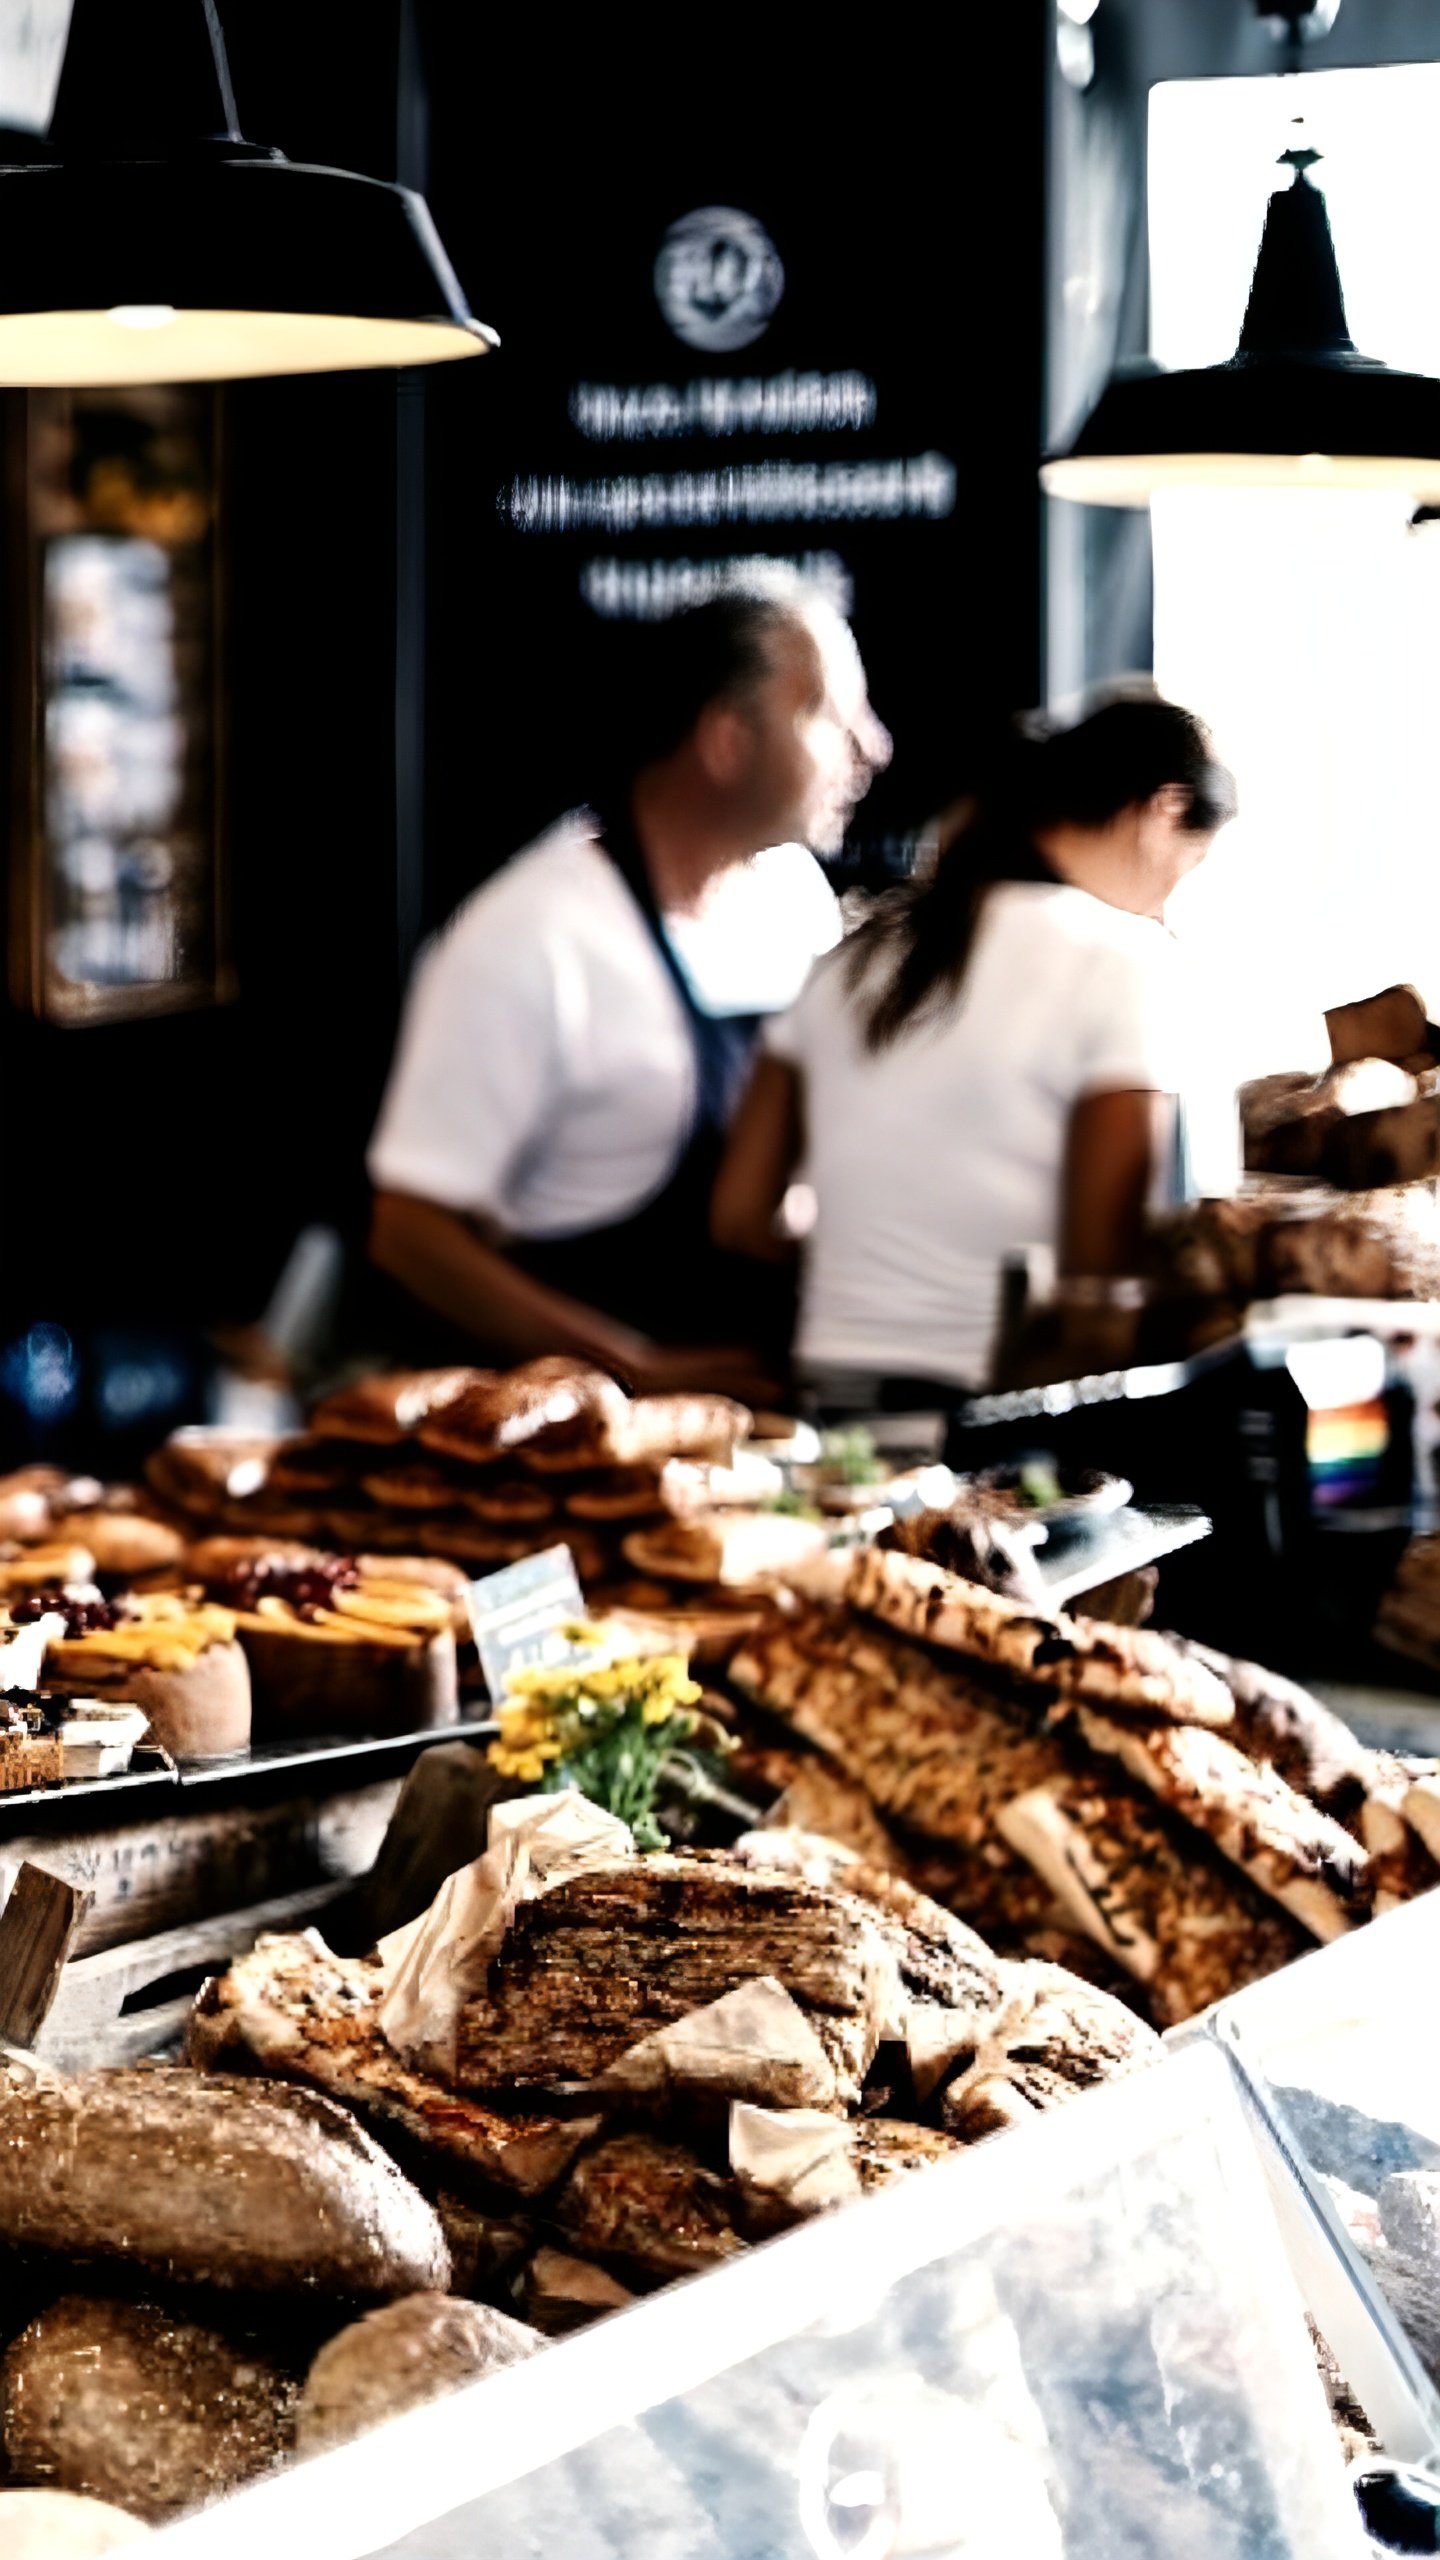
1081 2341
1336 2063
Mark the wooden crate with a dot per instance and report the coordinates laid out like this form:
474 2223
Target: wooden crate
141 1878
120 2003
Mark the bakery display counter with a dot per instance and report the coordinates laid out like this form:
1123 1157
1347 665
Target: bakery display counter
1337 2072
1081 2339
153 1778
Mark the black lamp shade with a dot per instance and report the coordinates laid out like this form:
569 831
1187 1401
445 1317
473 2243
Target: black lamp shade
1296 406
1270 422
212 266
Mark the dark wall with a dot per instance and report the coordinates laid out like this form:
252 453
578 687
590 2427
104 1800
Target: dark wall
178 1157
907 212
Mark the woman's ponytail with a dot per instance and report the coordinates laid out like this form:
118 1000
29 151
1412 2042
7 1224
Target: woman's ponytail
912 952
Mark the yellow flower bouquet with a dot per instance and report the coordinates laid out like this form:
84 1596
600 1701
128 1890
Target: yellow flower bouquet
608 1729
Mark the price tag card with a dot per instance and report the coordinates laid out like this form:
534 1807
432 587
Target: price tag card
518 1618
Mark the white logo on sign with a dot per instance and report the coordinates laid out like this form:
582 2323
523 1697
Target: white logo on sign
718 279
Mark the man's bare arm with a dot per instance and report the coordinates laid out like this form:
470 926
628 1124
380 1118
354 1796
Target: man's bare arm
449 1264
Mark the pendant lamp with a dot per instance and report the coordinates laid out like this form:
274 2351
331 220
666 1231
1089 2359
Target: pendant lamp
1296 407
145 240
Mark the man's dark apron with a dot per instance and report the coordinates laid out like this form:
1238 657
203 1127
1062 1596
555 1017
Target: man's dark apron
657 1269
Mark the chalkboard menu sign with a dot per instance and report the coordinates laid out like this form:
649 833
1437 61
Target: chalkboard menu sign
790 310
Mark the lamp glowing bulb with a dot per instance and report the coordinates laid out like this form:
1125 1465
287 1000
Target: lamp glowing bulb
142 315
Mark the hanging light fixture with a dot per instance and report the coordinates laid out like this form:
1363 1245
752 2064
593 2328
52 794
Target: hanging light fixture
145 240
1296 406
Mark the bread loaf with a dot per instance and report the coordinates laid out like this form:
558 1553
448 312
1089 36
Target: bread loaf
398 2358
128 2402
247 2184
1124 1669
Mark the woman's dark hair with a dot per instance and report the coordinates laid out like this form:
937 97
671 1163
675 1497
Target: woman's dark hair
1120 755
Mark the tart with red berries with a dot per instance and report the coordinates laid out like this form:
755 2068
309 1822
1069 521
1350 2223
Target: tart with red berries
336 1645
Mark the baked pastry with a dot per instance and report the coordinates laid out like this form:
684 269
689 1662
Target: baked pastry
509 1411
706 1634
1025 1820
238 2185
606 1957
400 2357
461 1538
47 1568
703 1427
726 1546
1181 1924
1051 2037
26 1496
1298 1855
931 1749
484 1549
1276 1720
225 1565
334 1648
122 1544
650 2208
384 1410
297 2012
171 1654
411 1484
614 1493
138 2406
1126 1670
205 1472
562 2292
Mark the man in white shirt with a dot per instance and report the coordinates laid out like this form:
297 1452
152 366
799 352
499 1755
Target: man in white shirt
574 1040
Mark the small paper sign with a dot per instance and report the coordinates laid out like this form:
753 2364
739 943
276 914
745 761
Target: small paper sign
518 1618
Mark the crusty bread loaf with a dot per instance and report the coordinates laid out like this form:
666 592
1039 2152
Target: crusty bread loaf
293 2009
1299 1855
131 2403
398 2358
52 2524
249 2184
1051 2037
1126 1670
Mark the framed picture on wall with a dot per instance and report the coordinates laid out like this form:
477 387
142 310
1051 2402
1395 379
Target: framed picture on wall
119 893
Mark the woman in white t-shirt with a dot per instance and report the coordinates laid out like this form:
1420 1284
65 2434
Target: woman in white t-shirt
995 1058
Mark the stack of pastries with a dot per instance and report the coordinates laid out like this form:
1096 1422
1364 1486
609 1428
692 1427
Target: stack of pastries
483 1468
